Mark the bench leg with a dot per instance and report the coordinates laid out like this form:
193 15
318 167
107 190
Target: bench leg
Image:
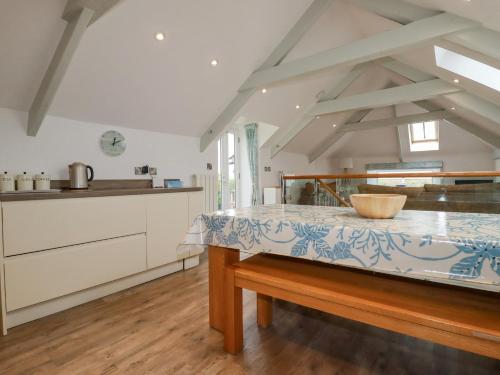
233 328
218 259
264 310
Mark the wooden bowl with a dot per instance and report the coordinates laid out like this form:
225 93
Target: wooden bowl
378 206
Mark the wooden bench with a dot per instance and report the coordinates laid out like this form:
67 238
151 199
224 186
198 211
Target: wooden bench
462 318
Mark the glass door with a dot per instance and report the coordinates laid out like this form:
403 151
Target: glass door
228 170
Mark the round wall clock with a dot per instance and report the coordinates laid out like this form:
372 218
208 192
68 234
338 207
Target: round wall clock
113 143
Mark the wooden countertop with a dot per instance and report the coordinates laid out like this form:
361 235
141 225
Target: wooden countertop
88 193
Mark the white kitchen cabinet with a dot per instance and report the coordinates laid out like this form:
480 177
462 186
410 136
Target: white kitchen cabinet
30 226
41 276
196 204
58 253
167 222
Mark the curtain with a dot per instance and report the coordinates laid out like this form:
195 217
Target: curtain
253 161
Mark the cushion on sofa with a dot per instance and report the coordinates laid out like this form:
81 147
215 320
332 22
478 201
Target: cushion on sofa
410 192
466 188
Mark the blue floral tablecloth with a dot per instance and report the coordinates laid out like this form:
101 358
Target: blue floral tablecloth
449 247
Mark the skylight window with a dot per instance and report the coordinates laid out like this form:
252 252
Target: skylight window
467 67
424 136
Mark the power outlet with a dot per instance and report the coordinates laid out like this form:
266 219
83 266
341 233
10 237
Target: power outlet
138 171
153 171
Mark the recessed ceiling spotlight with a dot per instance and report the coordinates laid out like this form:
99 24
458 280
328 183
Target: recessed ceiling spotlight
452 108
214 62
264 90
334 125
297 106
317 117
159 36
456 80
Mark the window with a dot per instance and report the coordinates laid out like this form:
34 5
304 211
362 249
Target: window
467 67
424 136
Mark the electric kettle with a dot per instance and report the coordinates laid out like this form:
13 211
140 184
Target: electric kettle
78 175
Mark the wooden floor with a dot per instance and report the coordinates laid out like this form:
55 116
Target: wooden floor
162 328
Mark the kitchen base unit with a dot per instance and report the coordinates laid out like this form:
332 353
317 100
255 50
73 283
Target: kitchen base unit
59 253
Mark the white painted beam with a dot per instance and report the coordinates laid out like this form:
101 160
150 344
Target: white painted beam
462 99
394 121
55 73
306 21
486 136
367 49
100 7
404 70
386 97
336 136
477 105
305 120
481 133
481 40
396 10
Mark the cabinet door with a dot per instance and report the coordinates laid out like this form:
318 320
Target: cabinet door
196 205
47 224
167 217
41 276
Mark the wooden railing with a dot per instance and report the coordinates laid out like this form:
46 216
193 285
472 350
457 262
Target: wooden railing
391 175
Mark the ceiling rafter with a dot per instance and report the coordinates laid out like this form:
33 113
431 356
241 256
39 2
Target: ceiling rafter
481 39
57 69
381 98
465 100
306 119
368 49
305 22
79 14
394 121
473 103
386 97
100 8
336 136
484 135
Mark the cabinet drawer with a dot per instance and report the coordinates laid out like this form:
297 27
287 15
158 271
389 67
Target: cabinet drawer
46 224
34 278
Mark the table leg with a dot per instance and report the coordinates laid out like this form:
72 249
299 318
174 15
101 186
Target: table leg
264 310
218 259
233 328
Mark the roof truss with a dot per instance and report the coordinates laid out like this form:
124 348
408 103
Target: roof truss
367 49
79 14
304 121
306 21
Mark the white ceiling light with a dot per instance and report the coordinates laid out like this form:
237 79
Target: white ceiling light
456 80
334 125
452 108
214 62
264 90
159 36
297 106
317 117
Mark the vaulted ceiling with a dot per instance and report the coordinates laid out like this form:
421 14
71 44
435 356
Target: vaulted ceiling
120 75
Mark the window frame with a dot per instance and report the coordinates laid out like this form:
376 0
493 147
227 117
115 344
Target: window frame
425 140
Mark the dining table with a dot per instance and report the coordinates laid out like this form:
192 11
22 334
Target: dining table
445 249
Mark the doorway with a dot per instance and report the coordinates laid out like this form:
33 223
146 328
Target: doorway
228 181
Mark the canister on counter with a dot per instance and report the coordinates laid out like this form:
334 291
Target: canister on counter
24 182
42 181
7 183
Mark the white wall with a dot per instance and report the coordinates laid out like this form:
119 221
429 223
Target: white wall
62 141
290 163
